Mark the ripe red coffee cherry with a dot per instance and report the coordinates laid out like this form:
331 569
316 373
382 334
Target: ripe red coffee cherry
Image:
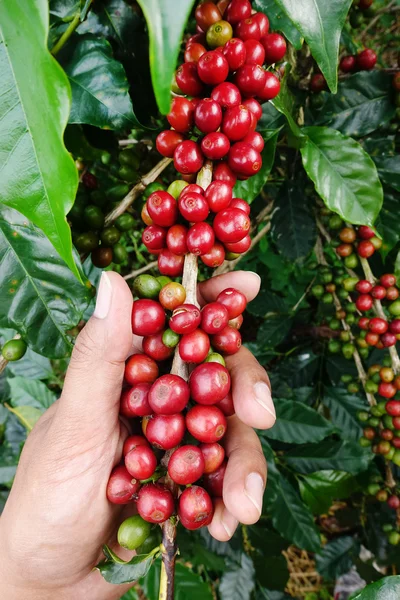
271 88
394 327
239 247
255 52
244 160
318 82
248 29
170 264
241 204
193 207
344 250
378 325
254 107
194 346
366 60
237 322
195 508
148 317
255 140
392 293
186 465
168 395
215 145
274 46
192 188
363 323
235 53
238 10
250 79
185 319
231 225
214 482
133 441
214 317
386 434
154 237
378 292
208 115
222 172
388 339
227 341
387 390
155 503
263 22
188 158
388 280
206 14
197 38
234 301
372 339
140 368
206 423
365 249
121 487
209 383
89 181
393 408
363 286
154 347
226 405
226 94
176 240
162 207
394 502
215 257
213 67
365 232
172 295
364 302
141 462
181 115
348 64
134 402
213 455
218 195
165 431
167 141
188 79
236 122
193 52
200 238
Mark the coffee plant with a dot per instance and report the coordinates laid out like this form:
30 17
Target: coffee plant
172 141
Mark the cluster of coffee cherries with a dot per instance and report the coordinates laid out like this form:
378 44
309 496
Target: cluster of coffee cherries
218 90
363 61
391 496
189 419
177 224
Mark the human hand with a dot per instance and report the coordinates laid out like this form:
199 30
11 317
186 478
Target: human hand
57 516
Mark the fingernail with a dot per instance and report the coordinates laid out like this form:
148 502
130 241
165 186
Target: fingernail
262 395
104 296
254 490
254 273
229 522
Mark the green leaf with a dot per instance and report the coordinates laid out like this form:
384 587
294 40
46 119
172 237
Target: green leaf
8 465
27 415
238 583
299 370
274 330
30 392
388 223
64 10
31 366
293 225
100 89
266 302
319 489
38 176
387 588
297 423
343 409
362 104
126 572
187 584
166 21
279 21
329 454
389 169
336 557
284 103
271 121
320 22
344 175
272 571
39 296
250 188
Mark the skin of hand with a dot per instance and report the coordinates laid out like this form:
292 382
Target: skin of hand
57 516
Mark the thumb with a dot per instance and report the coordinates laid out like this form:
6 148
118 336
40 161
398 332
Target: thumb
94 378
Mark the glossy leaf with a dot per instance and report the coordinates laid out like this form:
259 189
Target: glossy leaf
39 296
238 583
100 89
362 104
389 169
273 330
30 392
279 21
38 175
31 366
388 223
249 190
336 557
319 489
271 121
343 408
387 588
320 22
27 415
329 454
297 423
284 103
166 21
117 571
344 175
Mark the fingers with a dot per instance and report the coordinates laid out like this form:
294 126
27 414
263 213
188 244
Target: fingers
246 282
245 474
251 390
223 524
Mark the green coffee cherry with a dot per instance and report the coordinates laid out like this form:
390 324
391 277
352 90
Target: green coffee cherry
394 538
342 294
128 174
129 158
364 352
93 216
99 198
381 406
351 262
344 336
231 255
373 422
350 283
146 286
346 378
352 308
353 388
335 222
326 277
86 242
371 387
348 350
350 319
170 338
373 489
334 346
152 187
163 280
125 222
215 357
375 411
317 291
176 187
327 298
376 378
14 350
387 361
120 254
117 192
396 458
363 416
388 422
106 158
334 324
364 442
390 454
151 542
110 236
387 527
133 532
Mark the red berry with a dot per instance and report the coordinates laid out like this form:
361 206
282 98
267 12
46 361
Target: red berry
195 508
234 301
193 52
215 257
363 323
132 442
378 325
387 390
148 317
206 14
237 322
378 292
236 122
365 233
222 172
168 395
121 487
215 145
181 115
388 339
141 462
162 206
188 79
165 431
185 319
241 204
396 442
208 115
238 10
192 188
134 402
226 405
193 207
231 225
255 52
155 503
235 53
248 29
255 140
364 302
239 247
209 383
227 341
197 38
89 181
394 326
263 22
348 64
386 434
206 423
372 339
366 59
213 68
186 465
170 264
213 455
388 280
318 82
214 482
140 369
154 237
214 317
188 158
394 502
363 286
254 107
250 79
226 94
392 293
200 238
218 195
176 240
271 88
274 46
194 346
393 408
365 249
244 160
167 141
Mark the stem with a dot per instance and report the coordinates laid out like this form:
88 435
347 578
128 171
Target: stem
148 267
66 35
